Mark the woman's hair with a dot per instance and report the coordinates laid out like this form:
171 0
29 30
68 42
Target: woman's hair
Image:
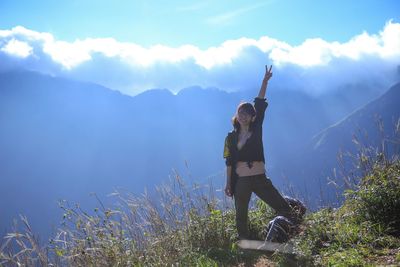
246 107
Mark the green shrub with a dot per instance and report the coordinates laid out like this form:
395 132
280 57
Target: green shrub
366 224
377 199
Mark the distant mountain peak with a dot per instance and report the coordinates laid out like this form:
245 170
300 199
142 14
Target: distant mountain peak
159 92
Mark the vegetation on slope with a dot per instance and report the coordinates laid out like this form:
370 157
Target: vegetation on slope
365 230
190 226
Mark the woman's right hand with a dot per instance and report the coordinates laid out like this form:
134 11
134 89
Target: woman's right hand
228 190
268 73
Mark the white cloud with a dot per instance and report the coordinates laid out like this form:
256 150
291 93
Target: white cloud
67 54
234 65
17 48
390 38
314 52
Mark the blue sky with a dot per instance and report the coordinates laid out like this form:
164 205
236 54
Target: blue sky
132 46
201 23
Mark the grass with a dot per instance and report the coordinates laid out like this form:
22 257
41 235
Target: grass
189 225
181 226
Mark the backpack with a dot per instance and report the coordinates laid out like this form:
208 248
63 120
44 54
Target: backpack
281 228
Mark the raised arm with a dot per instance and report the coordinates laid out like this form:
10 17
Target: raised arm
267 76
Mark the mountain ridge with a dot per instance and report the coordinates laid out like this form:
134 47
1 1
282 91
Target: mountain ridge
72 137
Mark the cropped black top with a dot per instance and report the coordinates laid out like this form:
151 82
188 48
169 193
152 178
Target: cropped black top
253 149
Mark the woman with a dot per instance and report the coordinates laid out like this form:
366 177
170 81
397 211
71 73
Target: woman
244 154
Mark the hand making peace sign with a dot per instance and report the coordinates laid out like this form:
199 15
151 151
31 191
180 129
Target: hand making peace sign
267 76
268 73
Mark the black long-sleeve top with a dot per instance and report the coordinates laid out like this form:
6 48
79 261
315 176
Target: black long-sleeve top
253 149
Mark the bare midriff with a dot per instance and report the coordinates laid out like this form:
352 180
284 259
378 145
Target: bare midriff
242 168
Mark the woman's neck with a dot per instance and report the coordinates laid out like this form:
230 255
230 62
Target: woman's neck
244 129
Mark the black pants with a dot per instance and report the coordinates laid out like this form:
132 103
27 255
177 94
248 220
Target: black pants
263 188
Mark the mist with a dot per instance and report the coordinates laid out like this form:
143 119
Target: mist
315 66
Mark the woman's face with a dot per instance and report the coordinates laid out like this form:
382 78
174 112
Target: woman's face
244 118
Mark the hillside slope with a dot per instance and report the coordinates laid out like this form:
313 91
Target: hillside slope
189 226
370 125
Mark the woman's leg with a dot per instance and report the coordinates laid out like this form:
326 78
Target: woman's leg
265 190
242 198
